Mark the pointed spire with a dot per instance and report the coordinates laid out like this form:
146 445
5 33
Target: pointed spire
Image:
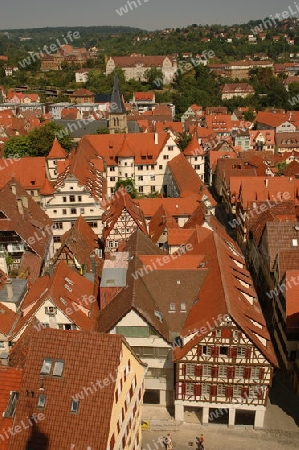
47 188
57 152
117 104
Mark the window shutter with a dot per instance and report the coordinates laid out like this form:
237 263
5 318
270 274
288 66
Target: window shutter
262 373
183 369
215 372
213 390
229 391
198 371
199 350
183 386
248 353
215 351
247 372
197 389
232 352
230 372
225 333
214 333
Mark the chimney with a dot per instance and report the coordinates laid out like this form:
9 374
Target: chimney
20 206
156 138
9 288
107 255
25 201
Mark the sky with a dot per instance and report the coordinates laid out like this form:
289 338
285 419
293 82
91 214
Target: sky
149 14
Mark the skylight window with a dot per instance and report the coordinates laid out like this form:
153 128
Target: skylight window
46 367
11 407
41 401
58 368
74 406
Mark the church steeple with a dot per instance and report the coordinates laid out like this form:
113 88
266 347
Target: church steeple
117 113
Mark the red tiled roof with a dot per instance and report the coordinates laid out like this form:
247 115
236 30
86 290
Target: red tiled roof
141 96
292 308
10 380
64 294
60 429
147 61
30 266
176 207
57 152
7 319
194 148
79 242
25 217
122 201
223 292
186 179
160 221
30 172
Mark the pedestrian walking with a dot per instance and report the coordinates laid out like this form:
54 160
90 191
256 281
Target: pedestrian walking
168 442
201 442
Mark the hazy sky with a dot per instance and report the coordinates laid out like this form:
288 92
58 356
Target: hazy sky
150 14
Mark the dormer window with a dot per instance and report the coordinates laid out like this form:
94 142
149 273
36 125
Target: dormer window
74 406
11 407
46 367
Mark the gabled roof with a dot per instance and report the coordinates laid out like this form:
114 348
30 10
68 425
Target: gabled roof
185 177
8 318
25 217
80 242
30 172
194 148
65 288
57 152
143 291
176 207
160 221
227 290
122 201
47 188
87 357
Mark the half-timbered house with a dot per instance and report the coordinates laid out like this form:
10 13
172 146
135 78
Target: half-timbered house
224 366
122 217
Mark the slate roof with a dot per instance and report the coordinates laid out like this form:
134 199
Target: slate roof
87 357
116 98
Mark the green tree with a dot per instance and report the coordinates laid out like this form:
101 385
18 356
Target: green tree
154 77
184 140
128 184
42 138
18 146
104 130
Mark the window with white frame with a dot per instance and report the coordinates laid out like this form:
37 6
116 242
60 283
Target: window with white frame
189 388
206 370
255 372
205 389
222 371
221 389
239 372
190 369
241 351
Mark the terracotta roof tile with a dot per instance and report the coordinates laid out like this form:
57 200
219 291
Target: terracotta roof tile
10 380
57 152
87 357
